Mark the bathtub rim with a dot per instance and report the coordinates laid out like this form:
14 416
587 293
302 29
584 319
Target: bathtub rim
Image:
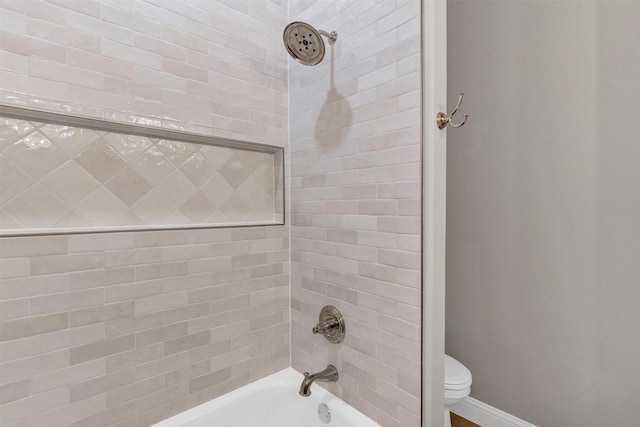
287 377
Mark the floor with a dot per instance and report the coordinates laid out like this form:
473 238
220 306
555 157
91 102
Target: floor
458 421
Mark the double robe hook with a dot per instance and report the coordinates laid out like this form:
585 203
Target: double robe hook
443 120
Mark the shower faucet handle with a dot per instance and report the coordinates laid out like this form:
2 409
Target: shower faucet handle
330 324
325 327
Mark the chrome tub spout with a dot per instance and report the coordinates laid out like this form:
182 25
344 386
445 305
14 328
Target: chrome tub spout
330 374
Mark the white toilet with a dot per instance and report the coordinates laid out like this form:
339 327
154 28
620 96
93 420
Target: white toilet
457 385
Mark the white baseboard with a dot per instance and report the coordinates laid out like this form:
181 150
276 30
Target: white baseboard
485 415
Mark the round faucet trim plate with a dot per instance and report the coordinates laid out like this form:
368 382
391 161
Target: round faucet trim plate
331 324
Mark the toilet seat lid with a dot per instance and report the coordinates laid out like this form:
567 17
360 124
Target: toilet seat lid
456 375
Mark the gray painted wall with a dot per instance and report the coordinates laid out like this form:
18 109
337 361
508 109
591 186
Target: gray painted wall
543 246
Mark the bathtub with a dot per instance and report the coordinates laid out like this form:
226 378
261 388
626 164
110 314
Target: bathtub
272 402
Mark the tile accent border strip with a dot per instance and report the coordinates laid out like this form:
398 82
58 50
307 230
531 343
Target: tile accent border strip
24 113
237 171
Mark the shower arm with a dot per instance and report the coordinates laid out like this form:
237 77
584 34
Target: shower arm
332 36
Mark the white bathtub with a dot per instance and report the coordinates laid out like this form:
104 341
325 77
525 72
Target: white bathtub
271 402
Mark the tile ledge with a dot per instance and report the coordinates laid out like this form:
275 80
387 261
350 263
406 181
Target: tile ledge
115 229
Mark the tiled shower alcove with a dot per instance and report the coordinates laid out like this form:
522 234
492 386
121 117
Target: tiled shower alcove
61 173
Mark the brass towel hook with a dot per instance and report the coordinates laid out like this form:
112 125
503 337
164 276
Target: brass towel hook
443 120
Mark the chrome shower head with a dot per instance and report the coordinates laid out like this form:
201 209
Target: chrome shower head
304 43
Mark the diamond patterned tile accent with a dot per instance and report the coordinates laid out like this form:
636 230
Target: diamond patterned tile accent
217 156
128 146
153 165
217 190
11 130
248 159
100 160
7 222
177 188
197 208
234 171
35 207
153 208
102 207
128 186
12 179
70 183
129 219
197 168
176 151
35 155
265 174
251 192
176 217
71 220
55 176
70 139
235 207
218 217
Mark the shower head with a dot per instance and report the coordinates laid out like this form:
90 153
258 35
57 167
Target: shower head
304 43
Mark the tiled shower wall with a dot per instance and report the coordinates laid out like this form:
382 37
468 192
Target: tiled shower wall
129 328
355 182
206 66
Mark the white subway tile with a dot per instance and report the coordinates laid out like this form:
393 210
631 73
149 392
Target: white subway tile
92 61
31 46
159 14
69 413
101 29
160 47
161 302
63 73
131 55
13 62
14 267
14 21
14 308
179 68
33 285
18 409
37 9
62 35
185 40
28 367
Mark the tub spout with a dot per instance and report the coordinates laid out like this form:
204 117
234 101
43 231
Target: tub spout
330 374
